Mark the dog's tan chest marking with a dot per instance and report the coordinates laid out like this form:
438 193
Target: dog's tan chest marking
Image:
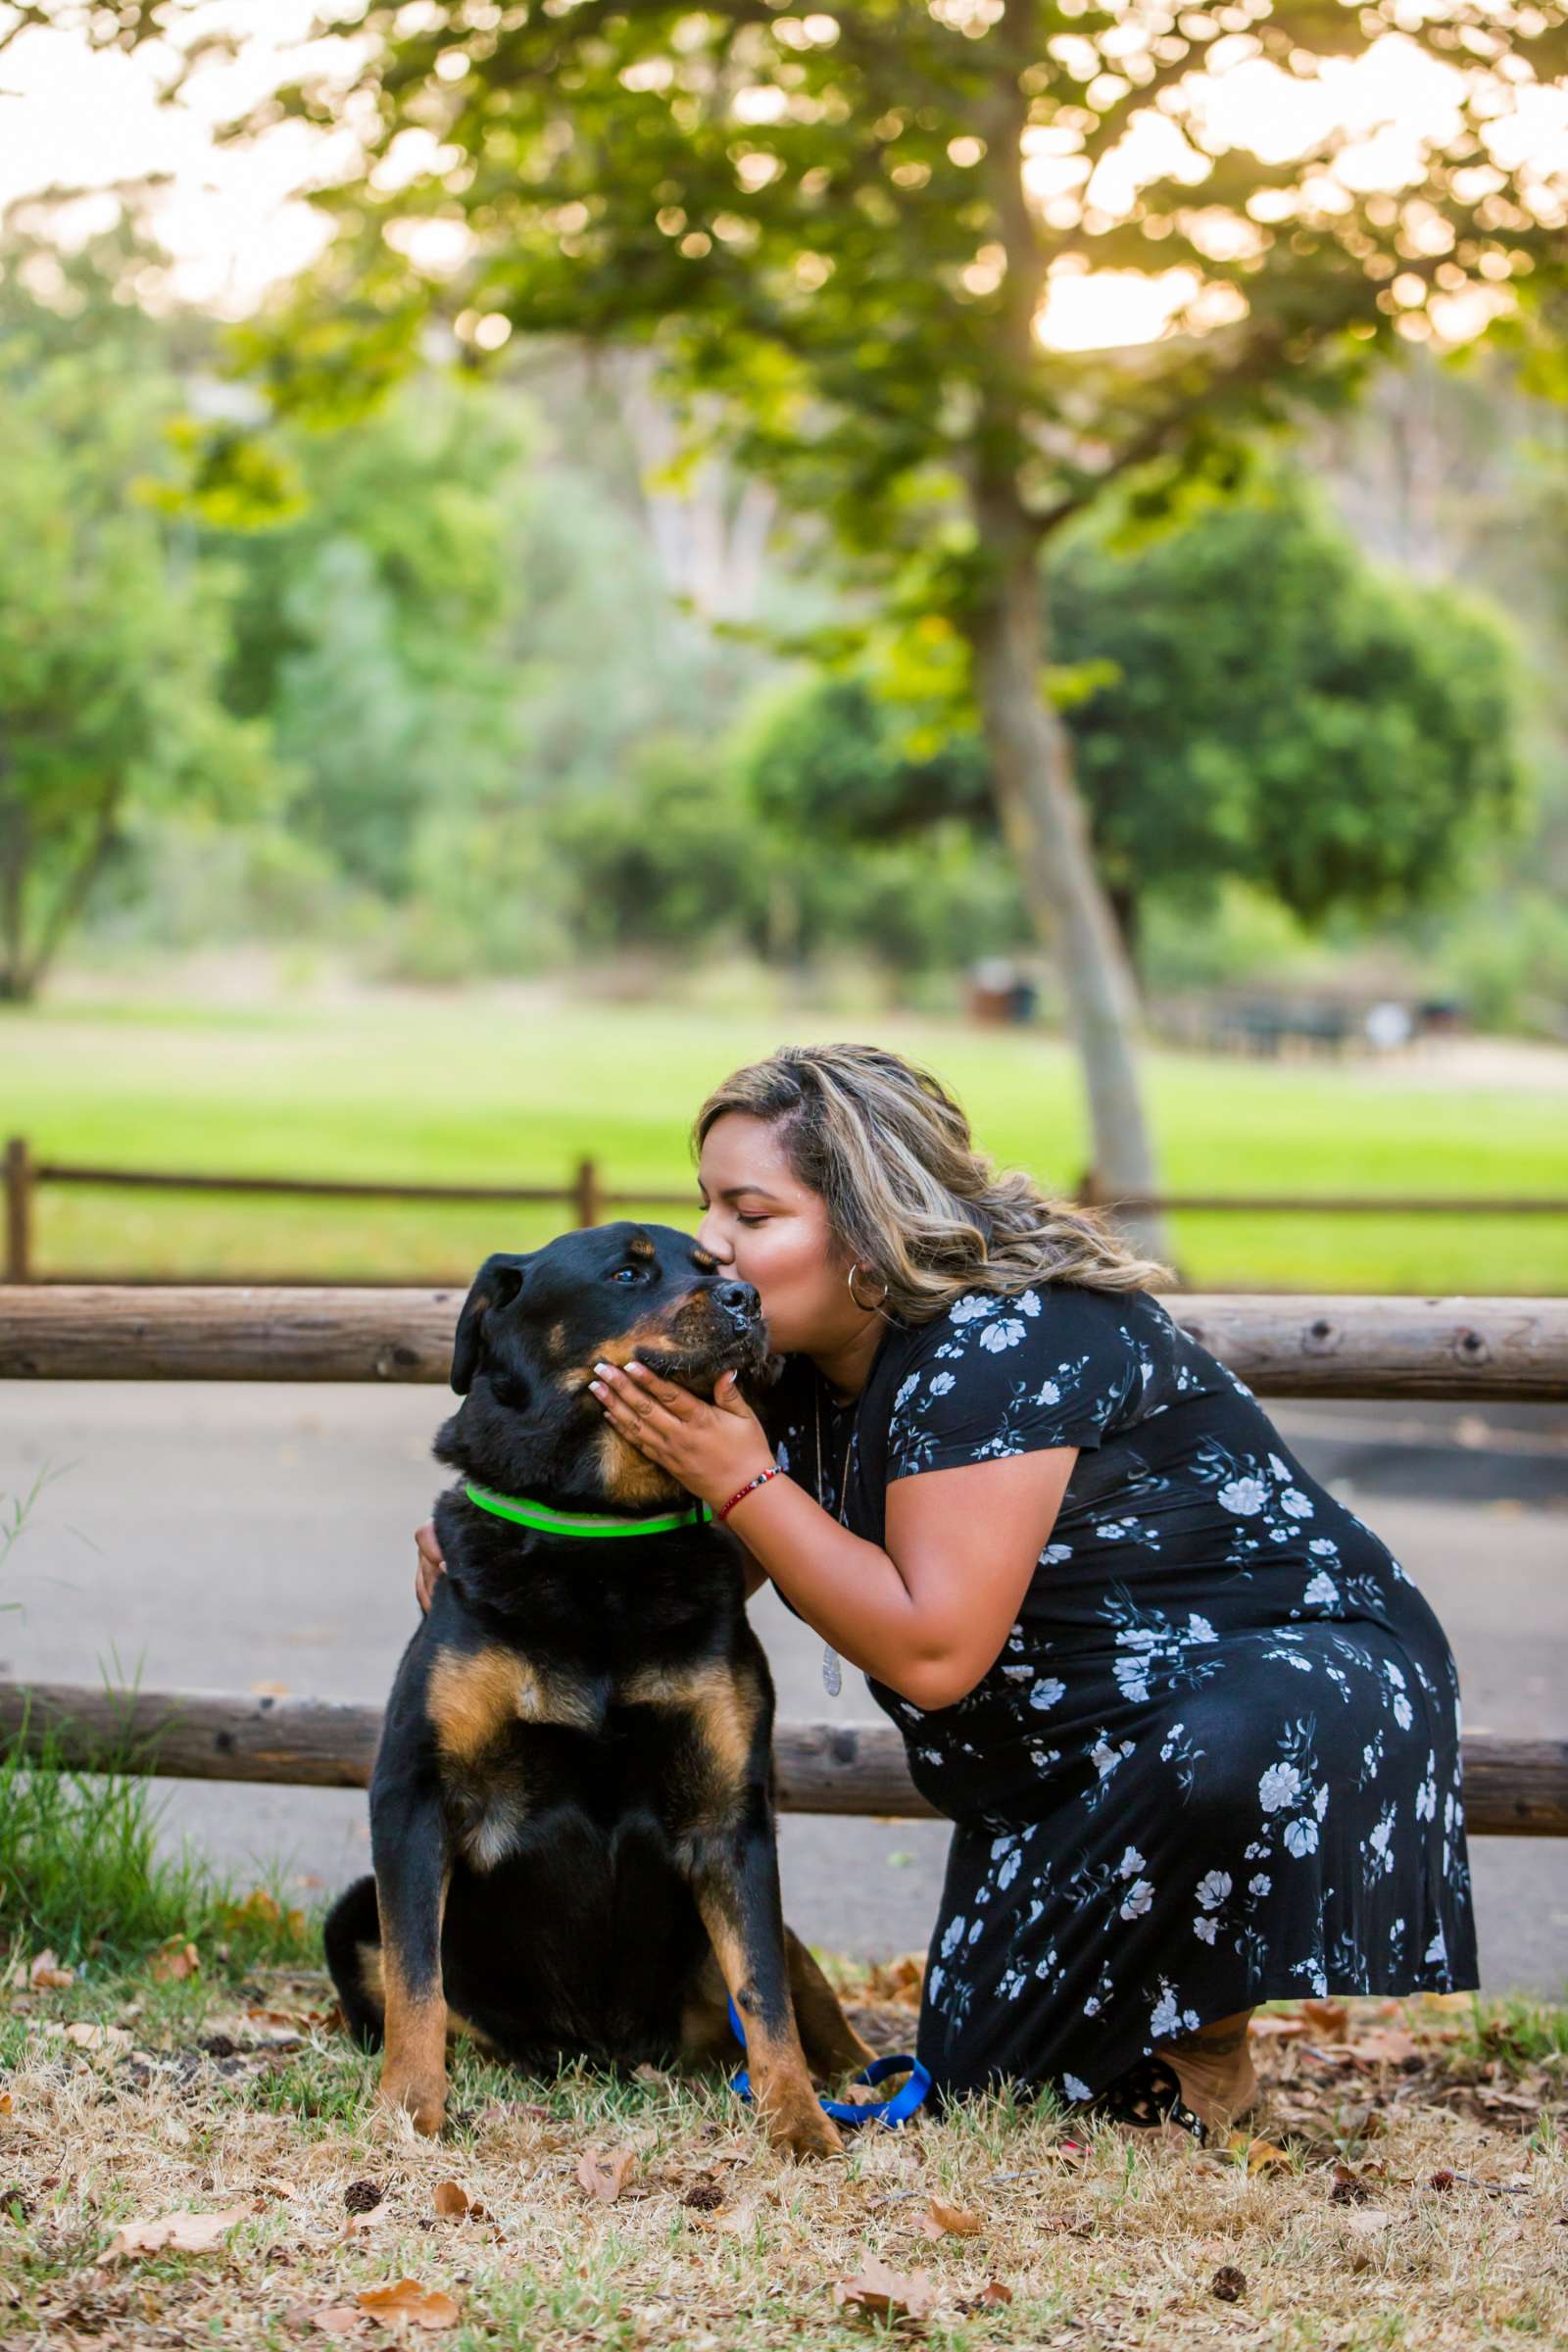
488 1820
473 1700
722 1712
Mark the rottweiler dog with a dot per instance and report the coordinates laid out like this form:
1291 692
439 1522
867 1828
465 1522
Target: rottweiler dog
572 1810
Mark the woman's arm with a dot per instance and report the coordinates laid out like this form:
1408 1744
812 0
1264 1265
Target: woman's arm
928 1615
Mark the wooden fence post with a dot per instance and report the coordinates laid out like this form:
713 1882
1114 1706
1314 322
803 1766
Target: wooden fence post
19 1210
585 1193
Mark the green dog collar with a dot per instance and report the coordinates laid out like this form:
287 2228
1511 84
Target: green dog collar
525 1513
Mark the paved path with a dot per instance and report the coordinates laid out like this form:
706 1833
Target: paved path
227 1536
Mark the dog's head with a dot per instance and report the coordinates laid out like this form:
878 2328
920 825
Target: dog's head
533 1327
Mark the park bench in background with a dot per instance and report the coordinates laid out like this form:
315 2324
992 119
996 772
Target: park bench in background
1478 1349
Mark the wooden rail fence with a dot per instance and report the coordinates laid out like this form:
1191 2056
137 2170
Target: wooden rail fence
1513 1348
587 1198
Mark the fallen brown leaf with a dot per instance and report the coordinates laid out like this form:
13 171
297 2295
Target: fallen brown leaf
258 1906
1370 2221
878 2292
606 2177
339 2318
900 1980
1326 2021
47 1974
1228 2284
453 2203
406 2299
174 1963
98 2038
1262 2155
1384 2046
991 2297
175 2233
949 2221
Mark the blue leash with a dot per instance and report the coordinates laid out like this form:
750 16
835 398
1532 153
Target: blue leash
892 2112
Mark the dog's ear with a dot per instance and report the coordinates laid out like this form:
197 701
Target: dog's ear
497 1284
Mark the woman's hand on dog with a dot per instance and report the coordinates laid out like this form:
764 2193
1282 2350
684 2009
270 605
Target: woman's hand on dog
712 1449
431 1564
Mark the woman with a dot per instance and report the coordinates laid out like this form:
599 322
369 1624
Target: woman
1196 1729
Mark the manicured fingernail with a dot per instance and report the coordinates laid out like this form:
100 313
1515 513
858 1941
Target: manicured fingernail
637 1370
606 1371
598 1387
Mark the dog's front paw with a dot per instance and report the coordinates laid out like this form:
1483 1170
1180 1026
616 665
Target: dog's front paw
422 2097
797 2125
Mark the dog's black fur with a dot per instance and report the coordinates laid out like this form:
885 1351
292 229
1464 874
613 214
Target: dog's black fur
572 1811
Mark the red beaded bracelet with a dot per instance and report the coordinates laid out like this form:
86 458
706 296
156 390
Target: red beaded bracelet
761 1480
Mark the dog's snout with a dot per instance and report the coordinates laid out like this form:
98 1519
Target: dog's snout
738 1299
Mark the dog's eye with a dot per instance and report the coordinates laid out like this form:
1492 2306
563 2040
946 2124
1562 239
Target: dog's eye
626 1274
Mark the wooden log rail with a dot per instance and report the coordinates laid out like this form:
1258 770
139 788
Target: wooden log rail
1509 1349
1514 1349
1513 1788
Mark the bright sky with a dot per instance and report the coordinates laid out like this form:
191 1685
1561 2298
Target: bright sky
234 221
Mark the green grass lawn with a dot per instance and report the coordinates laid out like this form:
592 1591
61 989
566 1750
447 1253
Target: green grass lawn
500 1087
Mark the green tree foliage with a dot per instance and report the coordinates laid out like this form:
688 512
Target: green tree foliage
829 226
372 628
1341 738
114 630
1270 707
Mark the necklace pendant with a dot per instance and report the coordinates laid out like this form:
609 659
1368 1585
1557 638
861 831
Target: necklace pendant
832 1679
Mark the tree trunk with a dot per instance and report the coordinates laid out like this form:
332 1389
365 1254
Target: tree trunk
1122 901
1044 824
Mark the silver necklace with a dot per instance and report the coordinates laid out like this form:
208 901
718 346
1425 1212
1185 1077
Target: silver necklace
832 1676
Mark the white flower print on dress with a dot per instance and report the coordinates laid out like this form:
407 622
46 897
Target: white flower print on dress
997 1336
971 1305
1213 1888
1047 1692
1242 1497
1322 1592
1076 2088
941 1382
1138 1898
1279 1787
1131 1863
906 1390
1297 1504
1167 2018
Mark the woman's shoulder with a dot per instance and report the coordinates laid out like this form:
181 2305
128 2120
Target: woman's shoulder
1041 1316
999 1372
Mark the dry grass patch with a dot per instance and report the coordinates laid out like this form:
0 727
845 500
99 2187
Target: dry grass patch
209 2166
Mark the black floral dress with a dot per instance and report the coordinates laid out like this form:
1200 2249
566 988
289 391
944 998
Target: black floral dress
1217 1760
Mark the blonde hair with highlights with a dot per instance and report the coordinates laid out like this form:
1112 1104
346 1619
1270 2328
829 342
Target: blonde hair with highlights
908 1197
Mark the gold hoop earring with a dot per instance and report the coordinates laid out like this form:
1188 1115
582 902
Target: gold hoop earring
876 1307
